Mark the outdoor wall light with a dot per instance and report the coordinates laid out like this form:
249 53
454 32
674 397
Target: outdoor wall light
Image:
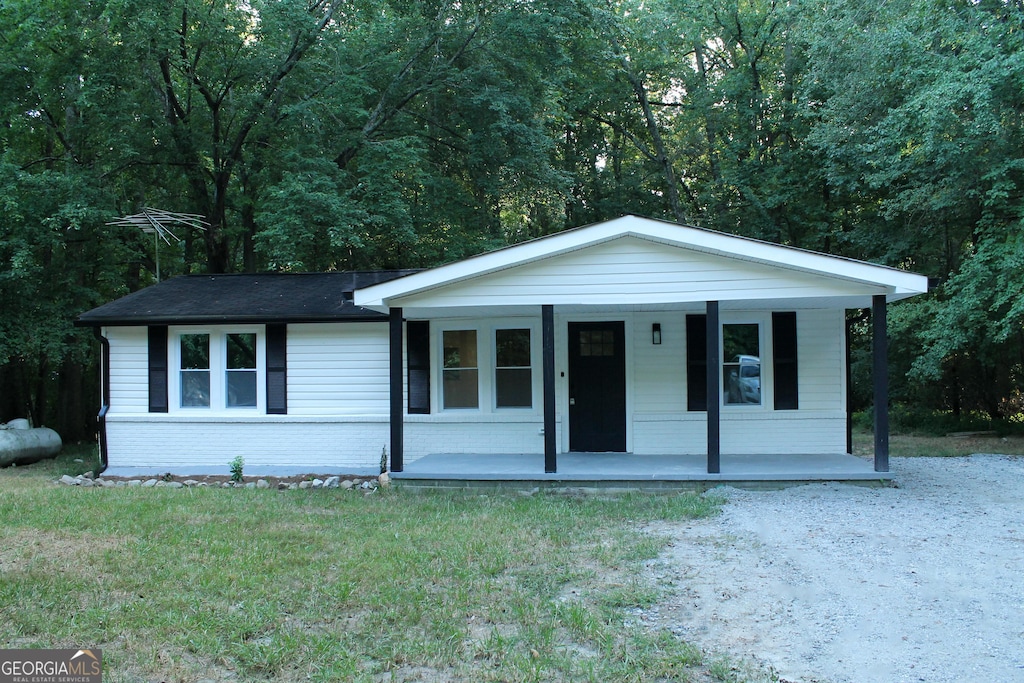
656 333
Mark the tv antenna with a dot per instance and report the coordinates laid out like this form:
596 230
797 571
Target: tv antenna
158 223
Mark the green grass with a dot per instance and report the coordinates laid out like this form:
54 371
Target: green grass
925 445
315 585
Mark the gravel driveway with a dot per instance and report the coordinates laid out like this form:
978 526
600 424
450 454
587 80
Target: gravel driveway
831 582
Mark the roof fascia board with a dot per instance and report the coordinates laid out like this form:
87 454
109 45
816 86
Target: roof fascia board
370 317
801 260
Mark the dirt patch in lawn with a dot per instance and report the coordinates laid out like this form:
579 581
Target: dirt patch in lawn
49 551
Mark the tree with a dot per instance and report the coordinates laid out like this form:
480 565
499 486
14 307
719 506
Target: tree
56 257
218 71
919 115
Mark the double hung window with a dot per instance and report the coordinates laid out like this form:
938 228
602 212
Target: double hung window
513 378
219 370
460 371
488 368
241 370
194 353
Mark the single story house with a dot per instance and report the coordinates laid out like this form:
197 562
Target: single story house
630 338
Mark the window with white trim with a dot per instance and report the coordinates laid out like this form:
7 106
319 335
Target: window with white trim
759 361
218 370
486 366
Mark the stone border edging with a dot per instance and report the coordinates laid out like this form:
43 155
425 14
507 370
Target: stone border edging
367 485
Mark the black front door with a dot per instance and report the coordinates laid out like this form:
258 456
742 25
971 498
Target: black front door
597 387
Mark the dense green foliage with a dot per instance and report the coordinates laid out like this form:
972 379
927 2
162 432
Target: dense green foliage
316 134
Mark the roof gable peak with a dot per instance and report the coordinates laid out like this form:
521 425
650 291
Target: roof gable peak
896 283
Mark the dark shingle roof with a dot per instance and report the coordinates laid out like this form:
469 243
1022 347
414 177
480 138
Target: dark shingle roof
267 297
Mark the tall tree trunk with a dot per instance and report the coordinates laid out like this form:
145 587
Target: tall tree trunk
8 397
661 155
69 417
248 218
710 127
40 393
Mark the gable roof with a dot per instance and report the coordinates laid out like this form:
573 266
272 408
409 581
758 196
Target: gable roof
795 273
244 298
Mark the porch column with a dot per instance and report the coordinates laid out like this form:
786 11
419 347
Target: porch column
714 378
548 342
849 387
395 385
880 375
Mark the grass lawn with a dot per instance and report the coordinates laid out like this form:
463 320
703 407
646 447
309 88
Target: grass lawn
923 445
331 585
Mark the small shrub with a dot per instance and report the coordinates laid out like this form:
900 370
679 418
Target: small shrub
236 467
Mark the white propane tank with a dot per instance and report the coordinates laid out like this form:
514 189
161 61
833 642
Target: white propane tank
19 443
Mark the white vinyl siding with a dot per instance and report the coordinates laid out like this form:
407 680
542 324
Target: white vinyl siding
659 371
338 369
632 260
821 352
630 270
129 369
659 423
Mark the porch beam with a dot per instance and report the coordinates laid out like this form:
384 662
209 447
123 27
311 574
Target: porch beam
548 342
880 376
395 389
714 380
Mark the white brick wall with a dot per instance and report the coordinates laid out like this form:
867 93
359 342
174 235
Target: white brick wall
482 434
771 433
197 444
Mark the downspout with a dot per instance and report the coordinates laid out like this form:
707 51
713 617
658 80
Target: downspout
101 418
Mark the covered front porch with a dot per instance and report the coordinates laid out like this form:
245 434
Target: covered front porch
646 340
637 471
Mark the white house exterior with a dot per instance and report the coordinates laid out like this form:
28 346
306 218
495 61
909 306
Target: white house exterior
632 336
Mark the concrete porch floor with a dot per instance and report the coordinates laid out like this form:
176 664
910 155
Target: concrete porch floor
638 471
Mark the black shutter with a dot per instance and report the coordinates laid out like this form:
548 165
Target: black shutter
696 362
417 350
784 361
158 369
277 369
